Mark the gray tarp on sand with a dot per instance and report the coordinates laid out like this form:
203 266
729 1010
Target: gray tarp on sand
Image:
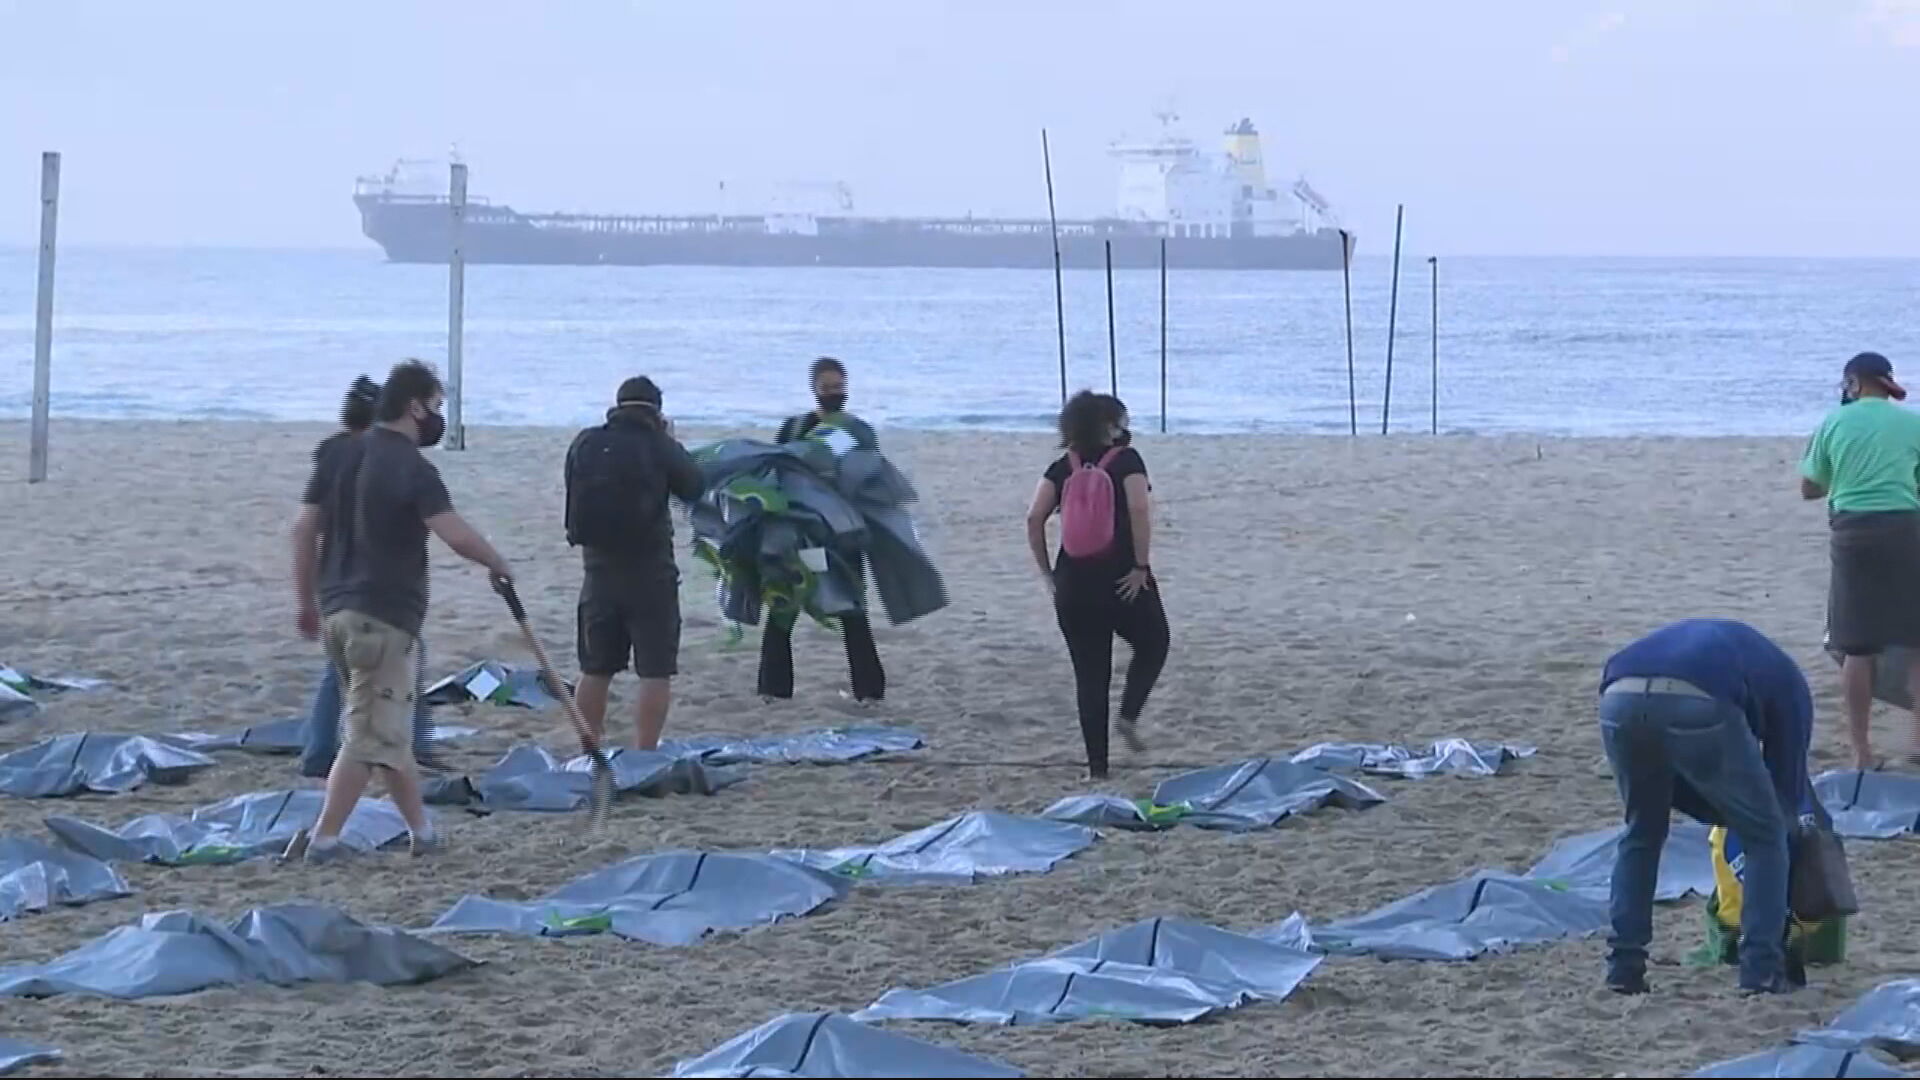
1251 794
1456 757
829 1044
674 898
957 850
1885 1018
1870 805
492 681
35 876
231 830
765 503
179 952
17 690
278 737
830 747
1586 862
1484 912
83 761
1155 970
16 1055
529 777
1803 1061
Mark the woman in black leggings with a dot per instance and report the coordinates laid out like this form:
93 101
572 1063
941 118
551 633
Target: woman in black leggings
1112 594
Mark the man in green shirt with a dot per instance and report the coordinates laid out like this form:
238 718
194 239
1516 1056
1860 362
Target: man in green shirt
1865 461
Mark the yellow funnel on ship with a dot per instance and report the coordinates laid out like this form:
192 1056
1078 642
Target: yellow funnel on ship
1243 147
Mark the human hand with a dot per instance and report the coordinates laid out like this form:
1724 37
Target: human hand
308 621
1136 582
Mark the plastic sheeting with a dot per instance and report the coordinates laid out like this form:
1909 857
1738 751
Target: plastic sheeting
1156 970
529 777
35 876
278 737
829 1044
1585 862
1803 1061
674 898
1484 912
1456 757
83 761
17 690
1870 805
1252 794
16 1055
179 952
830 747
229 831
494 682
1885 1018
957 850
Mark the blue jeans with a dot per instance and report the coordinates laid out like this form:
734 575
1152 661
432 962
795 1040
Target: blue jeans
323 723
1654 740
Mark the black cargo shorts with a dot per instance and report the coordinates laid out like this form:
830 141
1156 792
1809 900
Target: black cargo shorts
629 616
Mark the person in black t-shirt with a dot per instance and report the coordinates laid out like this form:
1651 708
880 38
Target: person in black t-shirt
629 610
1114 594
374 498
868 677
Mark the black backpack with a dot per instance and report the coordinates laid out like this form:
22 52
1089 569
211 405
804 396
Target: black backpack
608 476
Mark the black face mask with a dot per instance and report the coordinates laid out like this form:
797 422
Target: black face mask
831 403
433 427
1125 438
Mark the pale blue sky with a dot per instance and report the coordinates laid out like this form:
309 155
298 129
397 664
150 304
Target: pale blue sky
1729 127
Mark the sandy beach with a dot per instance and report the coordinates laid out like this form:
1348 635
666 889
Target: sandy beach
1319 589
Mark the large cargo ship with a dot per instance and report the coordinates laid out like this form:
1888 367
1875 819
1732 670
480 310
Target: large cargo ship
1215 212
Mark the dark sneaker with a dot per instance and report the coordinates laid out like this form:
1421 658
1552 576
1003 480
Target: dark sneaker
435 844
1628 982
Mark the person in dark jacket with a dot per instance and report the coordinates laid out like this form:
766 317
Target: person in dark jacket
1709 717
322 734
830 421
1114 594
619 478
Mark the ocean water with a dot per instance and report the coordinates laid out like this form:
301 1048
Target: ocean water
1551 346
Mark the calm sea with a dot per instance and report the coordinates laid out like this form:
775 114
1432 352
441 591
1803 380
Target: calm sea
1555 346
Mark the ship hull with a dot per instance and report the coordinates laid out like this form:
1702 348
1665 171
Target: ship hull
419 231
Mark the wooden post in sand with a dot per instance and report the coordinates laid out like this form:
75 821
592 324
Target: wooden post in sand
1113 348
1393 312
1346 282
456 306
1059 292
43 318
1433 268
1163 335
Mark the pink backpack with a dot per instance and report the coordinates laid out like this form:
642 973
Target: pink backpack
1086 507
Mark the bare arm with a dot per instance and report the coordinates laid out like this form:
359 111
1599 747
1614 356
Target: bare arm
467 542
1140 514
1045 499
306 554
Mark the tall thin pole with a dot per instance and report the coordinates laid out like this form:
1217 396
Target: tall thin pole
43 318
456 307
1346 281
1393 312
1433 267
1113 348
1059 292
1163 335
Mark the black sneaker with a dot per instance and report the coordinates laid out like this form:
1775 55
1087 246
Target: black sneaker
1628 983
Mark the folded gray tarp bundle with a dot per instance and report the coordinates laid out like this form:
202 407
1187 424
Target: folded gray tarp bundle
17 690
493 682
1251 794
229 831
278 737
16 1055
1870 805
766 504
1886 1018
829 1044
83 761
529 777
179 952
1457 757
1484 912
1586 862
957 850
1156 970
669 899
829 747
35 876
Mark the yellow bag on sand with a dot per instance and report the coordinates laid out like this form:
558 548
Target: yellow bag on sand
1823 942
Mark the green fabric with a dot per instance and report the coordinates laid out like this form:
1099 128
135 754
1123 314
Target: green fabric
1867 456
1823 943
